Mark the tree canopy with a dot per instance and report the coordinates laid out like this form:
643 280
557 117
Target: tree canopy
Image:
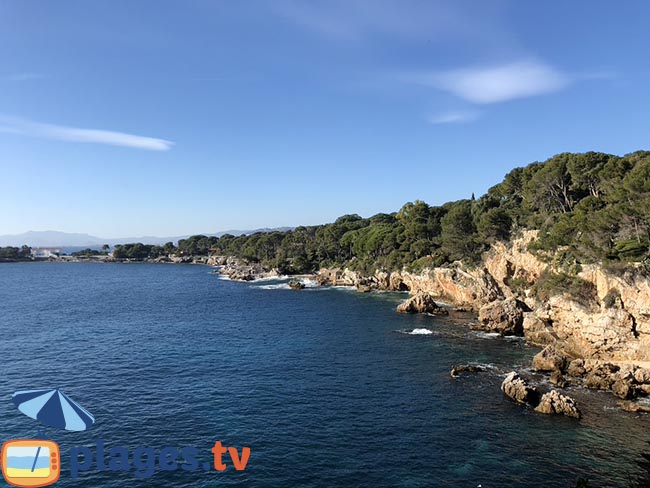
593 206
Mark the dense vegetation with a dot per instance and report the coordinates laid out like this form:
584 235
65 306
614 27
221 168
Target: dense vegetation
15 253
88 252
589 207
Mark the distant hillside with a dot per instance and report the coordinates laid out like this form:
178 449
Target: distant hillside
51 238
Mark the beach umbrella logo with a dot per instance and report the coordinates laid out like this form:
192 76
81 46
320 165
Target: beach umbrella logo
36 462
53 408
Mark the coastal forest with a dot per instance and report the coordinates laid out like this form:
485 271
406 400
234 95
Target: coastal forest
588 207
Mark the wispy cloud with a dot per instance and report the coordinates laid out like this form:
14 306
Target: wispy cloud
493 84
454 117
14 125
353 20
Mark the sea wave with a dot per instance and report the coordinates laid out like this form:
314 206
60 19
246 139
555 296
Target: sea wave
270 278
418 331
485 335
275 286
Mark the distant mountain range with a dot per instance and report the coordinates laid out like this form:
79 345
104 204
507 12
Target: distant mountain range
52 238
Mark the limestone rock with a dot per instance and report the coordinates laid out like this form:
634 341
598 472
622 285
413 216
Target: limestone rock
550 359
558 380
503 316
296 285
553 402
576 368
396 283
515 387
421 303
537 331
456 371
629 406
642 375
623 389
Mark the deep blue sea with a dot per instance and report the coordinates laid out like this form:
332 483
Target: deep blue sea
326 386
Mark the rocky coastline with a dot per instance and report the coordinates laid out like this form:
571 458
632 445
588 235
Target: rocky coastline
599 341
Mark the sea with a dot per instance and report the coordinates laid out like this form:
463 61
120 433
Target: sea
326 387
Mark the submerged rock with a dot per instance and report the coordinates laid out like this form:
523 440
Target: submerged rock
456 371
629 406
553 402
505 317
421 303
515 387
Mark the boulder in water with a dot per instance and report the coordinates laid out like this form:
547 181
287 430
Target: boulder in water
456 371
503 316
515 387
421 303
553 402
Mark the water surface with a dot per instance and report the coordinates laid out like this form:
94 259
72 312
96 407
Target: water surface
324 385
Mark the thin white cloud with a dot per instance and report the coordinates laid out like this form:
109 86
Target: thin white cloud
25 127
493 84
347 20
454 117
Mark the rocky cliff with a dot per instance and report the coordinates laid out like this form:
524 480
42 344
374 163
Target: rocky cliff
613 325
608 325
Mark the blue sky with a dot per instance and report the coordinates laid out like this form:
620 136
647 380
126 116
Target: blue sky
159 117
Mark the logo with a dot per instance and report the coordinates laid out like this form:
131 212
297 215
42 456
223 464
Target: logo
31 463
36 462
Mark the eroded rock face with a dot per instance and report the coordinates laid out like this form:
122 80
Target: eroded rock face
553 402
421 303
537 331
576 368
599 375
550 359
558 379
503 316
515 387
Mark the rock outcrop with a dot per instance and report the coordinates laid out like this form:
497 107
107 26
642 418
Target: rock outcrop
550 359
538 332
296 285
456 371
587 337
515 387
553 402
629 406
503 316
421 303
239 270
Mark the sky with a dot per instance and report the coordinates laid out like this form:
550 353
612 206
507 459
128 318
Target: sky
159 117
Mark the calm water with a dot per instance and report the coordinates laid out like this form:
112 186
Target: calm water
321 384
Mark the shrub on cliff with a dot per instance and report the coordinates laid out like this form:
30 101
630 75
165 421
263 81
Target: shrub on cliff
551 283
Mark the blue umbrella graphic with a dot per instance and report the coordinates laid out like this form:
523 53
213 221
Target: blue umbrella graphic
53 408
